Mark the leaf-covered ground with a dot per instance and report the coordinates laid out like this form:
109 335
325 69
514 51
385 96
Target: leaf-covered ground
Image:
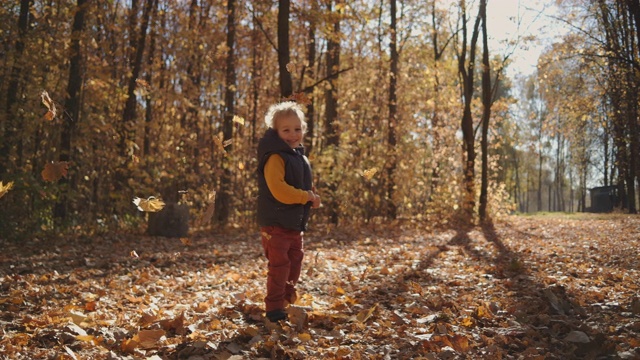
544 287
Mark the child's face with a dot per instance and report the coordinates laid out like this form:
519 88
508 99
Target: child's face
289 129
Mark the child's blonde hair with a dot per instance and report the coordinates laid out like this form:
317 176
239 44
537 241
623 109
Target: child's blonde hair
279 110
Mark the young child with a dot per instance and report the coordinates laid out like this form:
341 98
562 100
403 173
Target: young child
285 196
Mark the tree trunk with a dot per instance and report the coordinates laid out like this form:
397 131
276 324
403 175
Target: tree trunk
127 128
466 70
393 112
540 158
72 106
11 121
286 83
311 64
331 104
486 112
223 199
148 117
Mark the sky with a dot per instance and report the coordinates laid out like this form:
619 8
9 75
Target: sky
510 20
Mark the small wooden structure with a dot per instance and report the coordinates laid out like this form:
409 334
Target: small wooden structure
604 199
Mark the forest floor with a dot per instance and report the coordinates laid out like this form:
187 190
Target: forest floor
528 287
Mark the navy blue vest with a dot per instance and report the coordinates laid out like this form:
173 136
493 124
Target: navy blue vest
297 169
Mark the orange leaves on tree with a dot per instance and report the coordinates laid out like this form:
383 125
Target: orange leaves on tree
55 171
151 204
51 106
5 188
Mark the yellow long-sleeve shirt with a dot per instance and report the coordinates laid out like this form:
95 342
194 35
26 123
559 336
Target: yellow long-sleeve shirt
281 190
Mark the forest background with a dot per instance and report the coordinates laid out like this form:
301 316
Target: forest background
411 114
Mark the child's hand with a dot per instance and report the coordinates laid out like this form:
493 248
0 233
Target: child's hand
316 201
314 198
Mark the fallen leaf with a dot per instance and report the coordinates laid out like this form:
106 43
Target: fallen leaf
150 338
364 315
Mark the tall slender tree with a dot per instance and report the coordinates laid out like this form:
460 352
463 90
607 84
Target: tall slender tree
127 126
486 112
72 103
284 56
331 94
223 202
10 123
466 69
393 110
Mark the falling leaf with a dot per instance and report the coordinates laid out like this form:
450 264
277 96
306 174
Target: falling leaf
51 106
152 204
217 139
227 142
142 83
5 188
369 173
55 171
185 241
238 119
206 216
291 67
300 98
134 254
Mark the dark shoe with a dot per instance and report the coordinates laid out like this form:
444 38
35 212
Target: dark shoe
276 315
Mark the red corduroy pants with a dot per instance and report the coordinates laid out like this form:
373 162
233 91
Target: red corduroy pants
283 249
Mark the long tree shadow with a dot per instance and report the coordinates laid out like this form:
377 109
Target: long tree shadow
542 314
